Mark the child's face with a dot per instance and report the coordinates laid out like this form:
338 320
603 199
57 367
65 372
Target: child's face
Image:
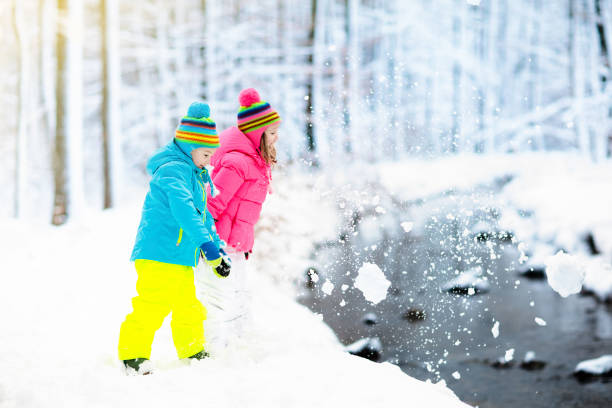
201 156
272 134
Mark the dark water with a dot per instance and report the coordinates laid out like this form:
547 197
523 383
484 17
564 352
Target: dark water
455 334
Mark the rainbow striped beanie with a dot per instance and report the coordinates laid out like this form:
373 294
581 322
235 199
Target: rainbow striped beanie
254 115
197 129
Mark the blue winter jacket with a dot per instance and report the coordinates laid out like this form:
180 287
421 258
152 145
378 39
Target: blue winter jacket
174 221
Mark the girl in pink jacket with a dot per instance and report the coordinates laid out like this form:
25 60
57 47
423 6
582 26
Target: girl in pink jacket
241 175
242 167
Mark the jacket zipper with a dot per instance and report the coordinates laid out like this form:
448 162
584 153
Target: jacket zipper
205 199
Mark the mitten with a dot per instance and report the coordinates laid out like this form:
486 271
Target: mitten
223 270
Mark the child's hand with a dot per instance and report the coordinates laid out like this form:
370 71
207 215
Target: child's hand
223 270
211 253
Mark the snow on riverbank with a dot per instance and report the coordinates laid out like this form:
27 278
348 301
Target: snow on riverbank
550 201
64 292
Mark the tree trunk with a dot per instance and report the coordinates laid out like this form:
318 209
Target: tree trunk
603 33
110 100
310 134
354 137
22 88
60 162
68 152
457 91
578 80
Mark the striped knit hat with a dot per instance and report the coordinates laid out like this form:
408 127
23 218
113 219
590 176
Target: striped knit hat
255 115
197 129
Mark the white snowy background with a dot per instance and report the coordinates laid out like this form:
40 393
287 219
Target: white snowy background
417 97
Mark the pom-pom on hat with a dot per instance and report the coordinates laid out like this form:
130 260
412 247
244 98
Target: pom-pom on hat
255 115
197 129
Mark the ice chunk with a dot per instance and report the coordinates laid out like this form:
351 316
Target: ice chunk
540 321
470 279
371 281
327 287
565 274
597 366
407 226
370 348
495 330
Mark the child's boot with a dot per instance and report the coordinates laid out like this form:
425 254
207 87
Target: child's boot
199 356
140 366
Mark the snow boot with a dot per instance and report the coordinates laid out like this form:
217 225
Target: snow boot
140 366
199 356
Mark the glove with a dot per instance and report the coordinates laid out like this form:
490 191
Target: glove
211 253
223 270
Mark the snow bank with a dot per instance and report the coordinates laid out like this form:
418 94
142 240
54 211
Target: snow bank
64 292
598 279
550 201
597 366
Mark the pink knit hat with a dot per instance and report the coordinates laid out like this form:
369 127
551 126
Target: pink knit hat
255 115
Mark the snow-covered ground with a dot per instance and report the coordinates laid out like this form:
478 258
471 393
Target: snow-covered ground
64 292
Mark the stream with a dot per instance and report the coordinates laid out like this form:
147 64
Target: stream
432 334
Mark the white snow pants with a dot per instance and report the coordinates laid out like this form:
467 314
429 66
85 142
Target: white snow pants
227 302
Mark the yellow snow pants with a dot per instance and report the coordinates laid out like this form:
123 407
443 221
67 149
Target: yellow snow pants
163 288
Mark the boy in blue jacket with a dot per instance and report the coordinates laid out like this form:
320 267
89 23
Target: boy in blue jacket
175 230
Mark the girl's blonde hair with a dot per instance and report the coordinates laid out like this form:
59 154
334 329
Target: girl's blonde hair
268 153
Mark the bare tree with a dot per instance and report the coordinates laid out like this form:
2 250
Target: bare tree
22 89
110 99
60 160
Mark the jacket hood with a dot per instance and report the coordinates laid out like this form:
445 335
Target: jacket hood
166 154
233 140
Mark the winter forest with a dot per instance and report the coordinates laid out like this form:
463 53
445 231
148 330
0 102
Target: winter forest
441 201
96 86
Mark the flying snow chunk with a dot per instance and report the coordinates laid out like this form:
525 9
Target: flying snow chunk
540 321
327 287
456 375
371 281
380 210
509 356
565 274
407 226
344 287
495 330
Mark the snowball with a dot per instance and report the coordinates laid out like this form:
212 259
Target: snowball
407 226
540 321
565 274
371 281
495 330
327 287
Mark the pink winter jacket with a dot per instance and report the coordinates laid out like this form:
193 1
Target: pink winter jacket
241 178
